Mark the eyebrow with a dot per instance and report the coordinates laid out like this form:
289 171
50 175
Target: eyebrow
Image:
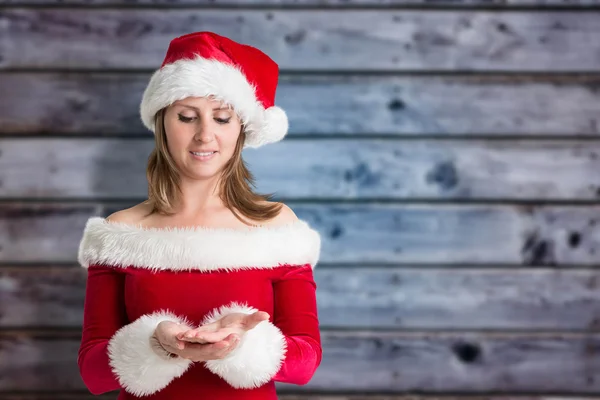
197 109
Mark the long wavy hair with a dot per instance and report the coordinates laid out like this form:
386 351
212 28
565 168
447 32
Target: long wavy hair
235 184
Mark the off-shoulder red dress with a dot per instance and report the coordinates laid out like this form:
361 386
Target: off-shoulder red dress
140 276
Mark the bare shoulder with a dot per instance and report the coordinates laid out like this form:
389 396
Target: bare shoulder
131 215
285 216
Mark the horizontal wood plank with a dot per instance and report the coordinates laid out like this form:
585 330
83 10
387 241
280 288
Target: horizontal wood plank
308 39
467 234
335 4
363 297
91 104
372 362
491 298
321 169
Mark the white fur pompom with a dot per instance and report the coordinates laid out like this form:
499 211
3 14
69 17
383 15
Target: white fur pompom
274 127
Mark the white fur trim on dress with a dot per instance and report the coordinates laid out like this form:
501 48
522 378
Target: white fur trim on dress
257 357
140 369
202 77
198 248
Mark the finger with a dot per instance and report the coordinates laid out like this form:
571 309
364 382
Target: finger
190 333
203 339
172 340
259 316
199 338
232 339
174 334
213 326
175 329
176 343
256 318
207 349
187 334
214 350
211 337
181 335
172 349
226 342
196 341
197 346
228 347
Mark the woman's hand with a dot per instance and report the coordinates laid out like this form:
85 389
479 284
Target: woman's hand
236 324
211 351
166 336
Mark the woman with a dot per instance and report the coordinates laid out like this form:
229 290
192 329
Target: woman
205 290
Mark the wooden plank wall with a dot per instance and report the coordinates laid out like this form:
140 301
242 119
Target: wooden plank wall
448 152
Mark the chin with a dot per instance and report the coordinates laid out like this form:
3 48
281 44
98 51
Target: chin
203 173
201 176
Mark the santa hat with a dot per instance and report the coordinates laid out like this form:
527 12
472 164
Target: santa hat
204 64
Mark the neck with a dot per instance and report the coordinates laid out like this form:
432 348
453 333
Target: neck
198 196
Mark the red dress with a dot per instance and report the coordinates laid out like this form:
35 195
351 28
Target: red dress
139 276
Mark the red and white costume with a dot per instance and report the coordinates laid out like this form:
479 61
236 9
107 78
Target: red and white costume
140 276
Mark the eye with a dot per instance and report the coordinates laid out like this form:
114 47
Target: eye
222 120
184 119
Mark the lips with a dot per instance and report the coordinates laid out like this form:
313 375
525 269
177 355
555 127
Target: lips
203 156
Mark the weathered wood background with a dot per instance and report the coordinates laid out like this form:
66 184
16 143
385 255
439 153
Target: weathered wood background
448 151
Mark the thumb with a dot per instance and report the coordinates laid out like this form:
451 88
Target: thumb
256 318
173 334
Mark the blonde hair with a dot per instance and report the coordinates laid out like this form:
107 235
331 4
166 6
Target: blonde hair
235 182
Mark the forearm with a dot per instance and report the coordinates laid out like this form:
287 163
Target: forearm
95 369
302 358
116 353
143 367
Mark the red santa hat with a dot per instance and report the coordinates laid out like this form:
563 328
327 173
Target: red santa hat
202 64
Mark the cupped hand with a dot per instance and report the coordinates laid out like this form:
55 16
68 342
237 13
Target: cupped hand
236 324
167 333
209 351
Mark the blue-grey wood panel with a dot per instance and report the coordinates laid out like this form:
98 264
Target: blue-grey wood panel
366 297
436 363
308 39
91 104
336 4
469 234
322 169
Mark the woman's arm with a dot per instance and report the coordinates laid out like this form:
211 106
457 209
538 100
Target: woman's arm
296 316
285 350
115 354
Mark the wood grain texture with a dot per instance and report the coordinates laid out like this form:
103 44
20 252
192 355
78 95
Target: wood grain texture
308 39
91 104
361 234
336 4
321 169
383 266
363 297
371 362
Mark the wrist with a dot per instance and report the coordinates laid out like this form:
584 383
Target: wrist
158 348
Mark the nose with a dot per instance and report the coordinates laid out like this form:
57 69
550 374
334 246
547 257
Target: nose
204 132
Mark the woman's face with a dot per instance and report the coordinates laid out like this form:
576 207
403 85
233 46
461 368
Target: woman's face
201 135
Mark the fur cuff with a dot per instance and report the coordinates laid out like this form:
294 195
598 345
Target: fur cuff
258 356
142 370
